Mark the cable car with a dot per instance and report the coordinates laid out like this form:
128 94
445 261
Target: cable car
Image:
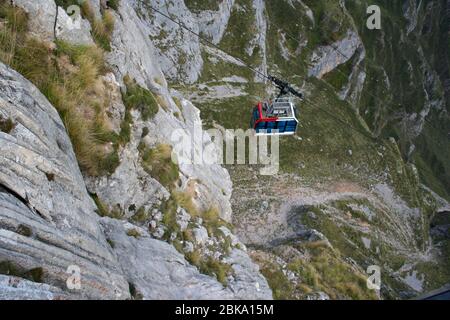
278 117
275 118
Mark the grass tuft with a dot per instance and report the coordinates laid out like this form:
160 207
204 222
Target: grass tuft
6 125
140 99
104 211
158 163
134 233
70 76
210 266
102 29
114 4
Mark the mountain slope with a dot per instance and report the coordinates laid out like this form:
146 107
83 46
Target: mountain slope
364 181
132 219
372 140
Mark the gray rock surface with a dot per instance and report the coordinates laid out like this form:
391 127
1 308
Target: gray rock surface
13 288
327 58
212 23
43 193
181 58
42 18
133 54
47 219
317 296
200 235
247 280
157 270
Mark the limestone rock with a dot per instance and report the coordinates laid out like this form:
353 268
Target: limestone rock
42 18
183 219
157 270
200 235
247 280
327 58
13 288
133 54
317 296
48 220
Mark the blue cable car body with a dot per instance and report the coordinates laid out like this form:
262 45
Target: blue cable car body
275 118
278 117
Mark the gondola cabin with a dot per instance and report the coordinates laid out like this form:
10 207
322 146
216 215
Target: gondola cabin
275 118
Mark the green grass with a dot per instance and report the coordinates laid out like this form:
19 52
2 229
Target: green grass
11 269
6 125
104 211
69 76
24 230
185 201
102 29
158 163
140 216
216 268
67 3
201 5
240 31
406 91
114 4
134 233
169 210
210 266
211 221
140 99
282 288
323 270
340 76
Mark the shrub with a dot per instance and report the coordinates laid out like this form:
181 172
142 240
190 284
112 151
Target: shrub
158 163
68 77
6 125
113 4
104 211
214 267
133 233
140 99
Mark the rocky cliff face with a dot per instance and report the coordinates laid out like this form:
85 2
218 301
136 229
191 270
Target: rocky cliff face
50 219
343 197
365 186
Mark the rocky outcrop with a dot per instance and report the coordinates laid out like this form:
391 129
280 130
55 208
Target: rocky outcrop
47 219
134 55
213 23
327 58
179 58
259 42
14 288
48 21
49 222
157 271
